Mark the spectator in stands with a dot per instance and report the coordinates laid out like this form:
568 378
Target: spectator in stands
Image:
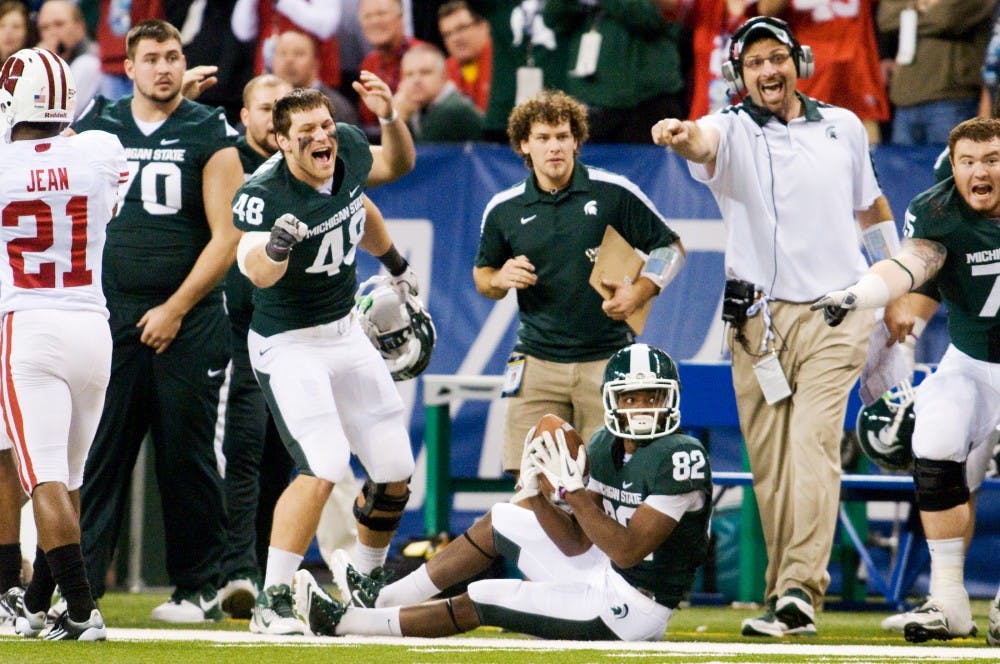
383 27
625 65
527 57
115 18
991 70
61 29
956 406
296 61
791 373
467 39
711 22
17 30
847 70
430 103
936 81
353 46
568 331
263 21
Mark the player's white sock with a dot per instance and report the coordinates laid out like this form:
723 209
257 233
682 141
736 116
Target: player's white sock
281 566
948 580
414 588
947 564
366 558
370 622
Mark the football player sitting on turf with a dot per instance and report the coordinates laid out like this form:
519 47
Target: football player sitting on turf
612 566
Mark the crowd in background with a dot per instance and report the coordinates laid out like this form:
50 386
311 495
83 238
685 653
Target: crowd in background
909 70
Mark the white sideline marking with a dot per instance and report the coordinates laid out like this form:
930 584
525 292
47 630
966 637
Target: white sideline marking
467 643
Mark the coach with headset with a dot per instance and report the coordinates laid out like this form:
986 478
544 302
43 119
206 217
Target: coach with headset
789 174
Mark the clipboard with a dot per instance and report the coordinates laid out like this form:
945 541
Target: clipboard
618 261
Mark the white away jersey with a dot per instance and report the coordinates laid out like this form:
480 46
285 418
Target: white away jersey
56 198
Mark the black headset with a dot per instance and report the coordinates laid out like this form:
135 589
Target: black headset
732 69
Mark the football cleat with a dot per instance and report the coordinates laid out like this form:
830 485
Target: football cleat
318 610
274 614
356 589
189 606
238 597
764 625
8 605
67 629
895 622
795 610
930 622
26 623
993 633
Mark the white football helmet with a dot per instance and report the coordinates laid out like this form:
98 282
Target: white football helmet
36 86
398 325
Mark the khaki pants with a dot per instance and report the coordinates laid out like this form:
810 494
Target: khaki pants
571 390
794 445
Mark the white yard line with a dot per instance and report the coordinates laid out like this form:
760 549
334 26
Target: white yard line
465 643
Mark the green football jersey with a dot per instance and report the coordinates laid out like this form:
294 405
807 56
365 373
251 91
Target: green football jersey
561 317
161 227
668 466
239 289
969 280
321 279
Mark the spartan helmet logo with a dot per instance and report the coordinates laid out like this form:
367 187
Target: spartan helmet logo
590 208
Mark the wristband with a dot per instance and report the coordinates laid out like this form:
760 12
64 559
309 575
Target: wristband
393 261
389 120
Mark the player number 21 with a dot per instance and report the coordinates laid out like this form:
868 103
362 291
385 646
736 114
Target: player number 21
42 240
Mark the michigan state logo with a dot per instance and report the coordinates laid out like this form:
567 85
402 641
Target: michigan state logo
619 612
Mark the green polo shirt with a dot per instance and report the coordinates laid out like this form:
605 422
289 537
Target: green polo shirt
561 317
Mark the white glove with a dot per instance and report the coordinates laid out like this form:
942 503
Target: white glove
406 283
835 306
527 483
552 458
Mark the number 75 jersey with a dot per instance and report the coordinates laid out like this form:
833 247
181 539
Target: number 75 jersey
318 286
970 277
56 198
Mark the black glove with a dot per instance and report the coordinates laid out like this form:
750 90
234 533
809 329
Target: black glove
287 232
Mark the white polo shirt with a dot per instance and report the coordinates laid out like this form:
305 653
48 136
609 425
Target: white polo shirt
787 193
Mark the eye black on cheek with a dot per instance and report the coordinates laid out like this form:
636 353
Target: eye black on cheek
304 141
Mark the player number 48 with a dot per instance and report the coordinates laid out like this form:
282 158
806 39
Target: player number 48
249 209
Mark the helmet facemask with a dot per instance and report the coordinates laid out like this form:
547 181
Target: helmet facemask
398 326
647 418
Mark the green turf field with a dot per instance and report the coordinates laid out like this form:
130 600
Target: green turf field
699 634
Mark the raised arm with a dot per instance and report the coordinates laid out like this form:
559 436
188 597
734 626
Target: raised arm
397 155
690 140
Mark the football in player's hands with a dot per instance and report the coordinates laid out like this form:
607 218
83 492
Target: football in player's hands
551 424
